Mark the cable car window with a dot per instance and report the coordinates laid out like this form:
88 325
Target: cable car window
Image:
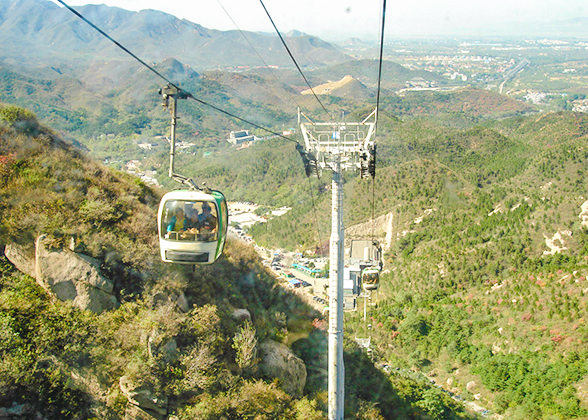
370 277
190 221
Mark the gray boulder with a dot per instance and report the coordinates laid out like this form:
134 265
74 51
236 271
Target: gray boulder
278 361
157 345
143 402
22 257
182 303
241 315
162 298
75 277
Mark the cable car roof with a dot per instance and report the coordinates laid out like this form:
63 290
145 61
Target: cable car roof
190 195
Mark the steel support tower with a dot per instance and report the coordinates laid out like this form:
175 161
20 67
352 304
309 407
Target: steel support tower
337 147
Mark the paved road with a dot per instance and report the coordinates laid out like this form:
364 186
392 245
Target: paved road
513 72
317 284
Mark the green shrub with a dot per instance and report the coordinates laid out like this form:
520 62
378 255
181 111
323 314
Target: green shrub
13 114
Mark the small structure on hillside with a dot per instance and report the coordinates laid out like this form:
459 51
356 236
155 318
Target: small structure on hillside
419 82
239 137
363 251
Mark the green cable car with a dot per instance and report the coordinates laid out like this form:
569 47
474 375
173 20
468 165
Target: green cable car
192 226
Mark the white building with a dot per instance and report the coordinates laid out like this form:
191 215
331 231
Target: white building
239 137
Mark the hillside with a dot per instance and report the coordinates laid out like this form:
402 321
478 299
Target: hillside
459 108
192 344
488 259
347 87
481 205
394 76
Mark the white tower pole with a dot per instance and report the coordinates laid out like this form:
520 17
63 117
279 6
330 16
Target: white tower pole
336 369
337 147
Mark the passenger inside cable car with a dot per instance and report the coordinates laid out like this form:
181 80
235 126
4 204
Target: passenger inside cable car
177 222
182 221
192 222
208 221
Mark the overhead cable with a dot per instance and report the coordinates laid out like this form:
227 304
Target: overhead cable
246 38
255 49
316 219
293 59
320 243
377 112
75 12
188 94
381 59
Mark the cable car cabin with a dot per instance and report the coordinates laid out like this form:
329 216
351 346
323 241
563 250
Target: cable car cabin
192 226
370 278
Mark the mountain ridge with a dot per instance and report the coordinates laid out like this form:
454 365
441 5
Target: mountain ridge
150 34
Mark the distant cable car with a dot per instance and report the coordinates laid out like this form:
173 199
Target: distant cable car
370 278
370 255
192 226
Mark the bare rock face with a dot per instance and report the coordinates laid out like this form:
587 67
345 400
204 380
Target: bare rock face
471 386
161 298
22 256
143 403
182 303
157 345
71 276
278 361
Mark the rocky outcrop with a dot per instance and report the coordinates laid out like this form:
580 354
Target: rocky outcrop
75 277
278 361
143 404
22 256
65 274
182 303
159 346
162 298
471 386
382 226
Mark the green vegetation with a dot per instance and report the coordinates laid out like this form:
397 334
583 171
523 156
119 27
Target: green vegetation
485 287
198 361
475 292
480 189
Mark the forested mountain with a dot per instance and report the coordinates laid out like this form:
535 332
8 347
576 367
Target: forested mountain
487 259
480 199
193 344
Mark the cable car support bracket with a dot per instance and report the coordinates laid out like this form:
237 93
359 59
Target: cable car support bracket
170 95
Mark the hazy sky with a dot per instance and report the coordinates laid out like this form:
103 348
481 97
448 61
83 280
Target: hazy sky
335 20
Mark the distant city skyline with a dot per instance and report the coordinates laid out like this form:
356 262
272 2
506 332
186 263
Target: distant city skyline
337 20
